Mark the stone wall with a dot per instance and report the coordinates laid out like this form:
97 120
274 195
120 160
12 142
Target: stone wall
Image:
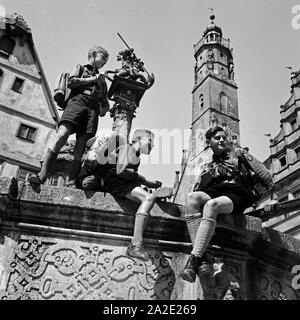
70 244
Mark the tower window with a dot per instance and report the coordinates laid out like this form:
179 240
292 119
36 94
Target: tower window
18 85
283 161
27 133
223 102
221 55
1 76
201 101
7 45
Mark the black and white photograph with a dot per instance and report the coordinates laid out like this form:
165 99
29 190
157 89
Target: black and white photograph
149 153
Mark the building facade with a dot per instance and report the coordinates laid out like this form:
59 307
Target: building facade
28 115
284 161
215 102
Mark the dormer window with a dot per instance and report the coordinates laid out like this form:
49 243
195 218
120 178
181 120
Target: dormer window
298 153
7 46
1 76
294 124
282 161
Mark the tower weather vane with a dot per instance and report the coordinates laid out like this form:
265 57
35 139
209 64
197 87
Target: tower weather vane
212 16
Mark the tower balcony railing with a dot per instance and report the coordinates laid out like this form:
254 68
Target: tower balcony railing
205 40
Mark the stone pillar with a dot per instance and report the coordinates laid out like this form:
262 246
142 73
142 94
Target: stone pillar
122 119
126 94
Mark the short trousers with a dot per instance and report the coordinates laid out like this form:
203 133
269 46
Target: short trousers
81 114
112 184
241 197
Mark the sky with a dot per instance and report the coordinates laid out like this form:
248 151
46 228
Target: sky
264 35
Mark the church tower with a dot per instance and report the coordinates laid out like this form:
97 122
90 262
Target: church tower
214 99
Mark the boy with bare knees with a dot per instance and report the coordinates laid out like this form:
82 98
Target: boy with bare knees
86 102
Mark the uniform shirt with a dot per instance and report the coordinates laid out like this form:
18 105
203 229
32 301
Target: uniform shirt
235 164
79 82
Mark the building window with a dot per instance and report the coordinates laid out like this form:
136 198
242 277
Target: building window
282 161
1 166
294 124
221 55
298 153
24 174
7 45
201 101
27 133
18 85
223 102
1 76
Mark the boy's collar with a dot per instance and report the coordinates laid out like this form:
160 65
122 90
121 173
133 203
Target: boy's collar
89 66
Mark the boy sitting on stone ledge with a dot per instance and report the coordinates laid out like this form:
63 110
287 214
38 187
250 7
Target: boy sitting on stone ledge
225 187
113 168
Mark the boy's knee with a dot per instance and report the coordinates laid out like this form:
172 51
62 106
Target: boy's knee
214 204
150 198
190 197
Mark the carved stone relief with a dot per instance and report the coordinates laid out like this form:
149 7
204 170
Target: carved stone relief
68 270
271 288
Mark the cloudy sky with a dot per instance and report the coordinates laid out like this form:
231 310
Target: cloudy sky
264 38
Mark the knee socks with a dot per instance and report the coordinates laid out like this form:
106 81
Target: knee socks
193 222
141 219
204 234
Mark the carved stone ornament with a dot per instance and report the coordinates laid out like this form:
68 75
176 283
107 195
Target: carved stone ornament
67 270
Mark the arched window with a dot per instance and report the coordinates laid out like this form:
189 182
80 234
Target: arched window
201 101
7 45
223 102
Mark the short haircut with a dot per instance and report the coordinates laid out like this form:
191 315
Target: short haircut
98 49
212 131
141 133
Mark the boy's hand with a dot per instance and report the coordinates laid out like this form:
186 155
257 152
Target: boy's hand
100 77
